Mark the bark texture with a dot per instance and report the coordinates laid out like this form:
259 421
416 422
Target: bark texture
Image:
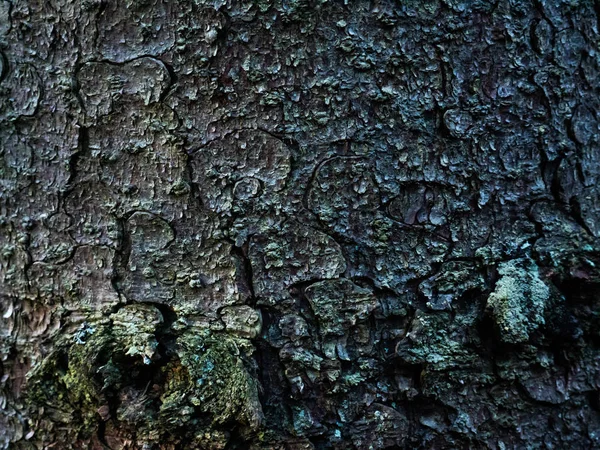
299 224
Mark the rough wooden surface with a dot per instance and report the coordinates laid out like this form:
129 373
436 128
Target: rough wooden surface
299 224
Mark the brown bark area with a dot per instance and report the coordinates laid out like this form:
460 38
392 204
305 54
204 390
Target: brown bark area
299 224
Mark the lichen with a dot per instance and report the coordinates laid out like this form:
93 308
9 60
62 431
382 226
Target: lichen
206 384
213 377
64 383
75 377
519 300
439 341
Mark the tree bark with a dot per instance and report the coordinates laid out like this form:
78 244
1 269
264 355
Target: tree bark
299 224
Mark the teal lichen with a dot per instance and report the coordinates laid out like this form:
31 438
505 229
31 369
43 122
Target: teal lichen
438 340
339 305
519 300
213 377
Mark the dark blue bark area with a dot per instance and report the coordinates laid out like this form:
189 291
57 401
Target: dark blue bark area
300 224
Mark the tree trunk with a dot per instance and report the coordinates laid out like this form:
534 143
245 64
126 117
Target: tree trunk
299 224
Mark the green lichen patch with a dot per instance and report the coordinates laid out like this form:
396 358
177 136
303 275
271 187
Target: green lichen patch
213 379
519 300
111 370
78 378
134 326
63 382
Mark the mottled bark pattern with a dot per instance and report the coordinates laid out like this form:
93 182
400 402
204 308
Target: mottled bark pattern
299 224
